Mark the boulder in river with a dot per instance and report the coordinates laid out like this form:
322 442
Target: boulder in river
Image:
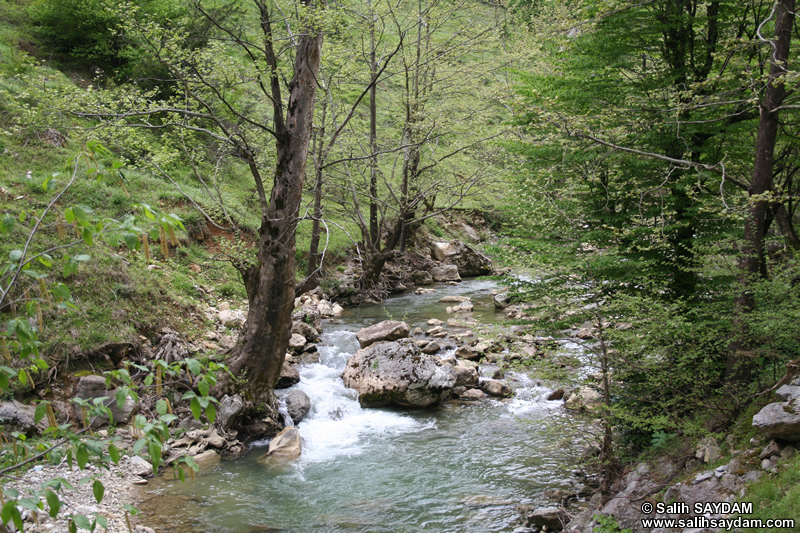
466 375
445 273
398 373
287 443
388 330
468 261
289 376
298 404
495 387
305 330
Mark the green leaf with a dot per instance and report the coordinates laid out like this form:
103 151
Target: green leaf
190 462
46 260
7 224
154 451
161 407
82 522
194 366
41 410
130 508
82 456
113 452
33 273
23 377
125 376
81 212
196 409
72 527
139 445
29 504
10 513
15 255
82 258
61 292
98 490
53 502
203 387
148 212
211 413
70 266
88 237
121 396
131 241
101 521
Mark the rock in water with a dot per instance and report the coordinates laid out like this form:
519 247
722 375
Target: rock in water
495 387
289 376
398 373
298 404
287 443
388 330
468 261
445 273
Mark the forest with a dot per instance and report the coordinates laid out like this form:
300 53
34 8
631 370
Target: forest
182 181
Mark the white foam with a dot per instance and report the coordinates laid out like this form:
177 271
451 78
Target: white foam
337 425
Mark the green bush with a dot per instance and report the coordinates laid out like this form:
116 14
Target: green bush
85 30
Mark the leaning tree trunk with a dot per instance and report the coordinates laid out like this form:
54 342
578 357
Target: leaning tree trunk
261 347
755 223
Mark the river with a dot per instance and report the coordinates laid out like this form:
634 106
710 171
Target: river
462 467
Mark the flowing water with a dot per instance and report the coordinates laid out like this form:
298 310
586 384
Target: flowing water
457 468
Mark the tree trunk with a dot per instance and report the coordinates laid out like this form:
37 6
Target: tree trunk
314 257
261 347
374 233
755 222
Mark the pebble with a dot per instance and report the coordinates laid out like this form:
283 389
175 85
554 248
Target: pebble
120 489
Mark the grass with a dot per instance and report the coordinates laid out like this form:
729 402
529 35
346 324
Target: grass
777 496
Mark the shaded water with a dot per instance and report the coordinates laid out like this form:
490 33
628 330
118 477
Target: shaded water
461 467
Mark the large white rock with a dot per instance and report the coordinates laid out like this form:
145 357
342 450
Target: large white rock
468 261
388 330
287 443
398 373
779 420
445 273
